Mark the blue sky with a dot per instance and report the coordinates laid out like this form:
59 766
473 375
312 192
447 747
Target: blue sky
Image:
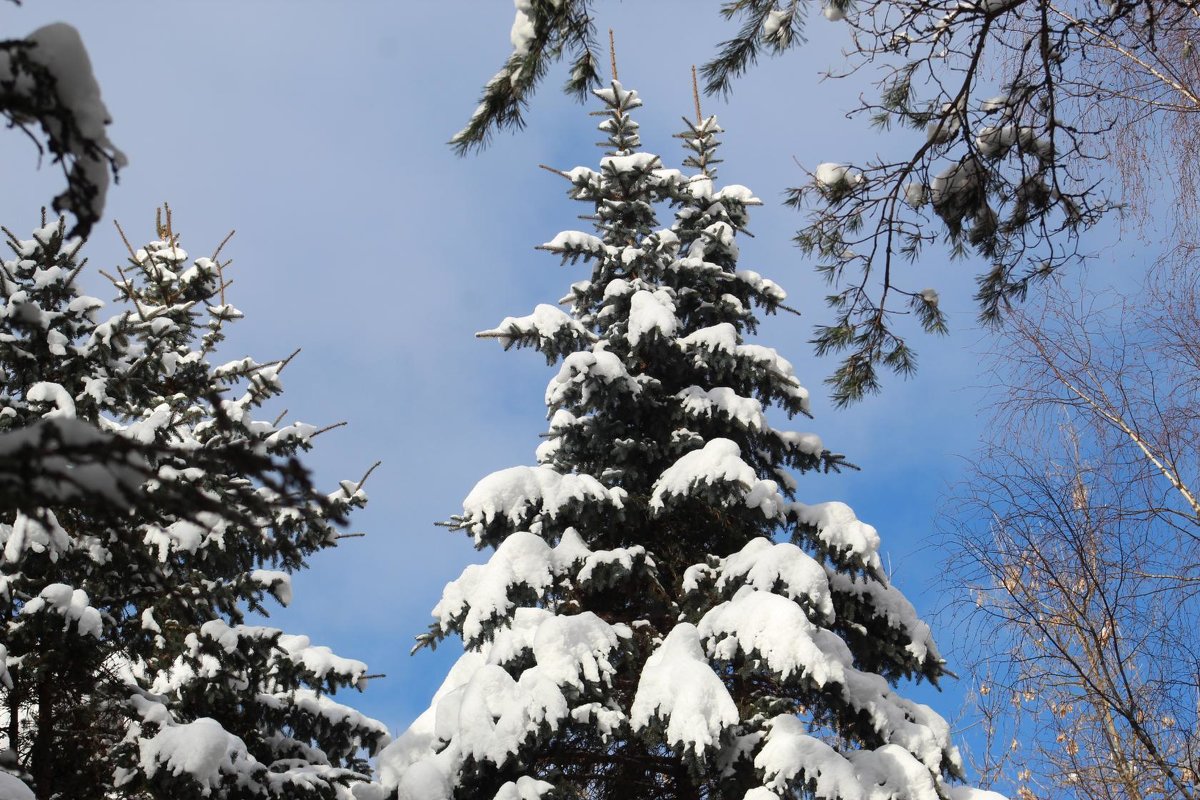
317 130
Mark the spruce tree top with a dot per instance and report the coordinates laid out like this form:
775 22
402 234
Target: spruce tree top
638 631
125 577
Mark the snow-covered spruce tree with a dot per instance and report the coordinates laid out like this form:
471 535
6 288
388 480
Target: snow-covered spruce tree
638 631
127 669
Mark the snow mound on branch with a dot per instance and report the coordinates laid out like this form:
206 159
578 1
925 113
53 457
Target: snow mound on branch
483 713
12 788
578 370
915 727
633 162
492 715
523 31
779 567
202 750
572 650
746 411
723 337
679 688
73 605
888 603
525 788
719 461
969 793
546 322
417 744
320 660
651 312
775 629
792 758
59 48
514 492
576 242
831 176
840 530
323 707
481 593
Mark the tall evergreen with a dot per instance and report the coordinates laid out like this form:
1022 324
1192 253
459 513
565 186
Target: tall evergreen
639 632
129 670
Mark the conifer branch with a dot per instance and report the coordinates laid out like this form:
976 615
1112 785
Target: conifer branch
331 427
557 172
612 53
366 474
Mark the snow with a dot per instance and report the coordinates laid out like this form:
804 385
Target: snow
319 660
746 411
518 492
777 20
761 285
779 567
720 337
60 50
915 727
631 163
891 772
723 337
833 13
954 180
738 193
39 535
995 141
651 312
546 322
836 176
574 650
580 369
480 596
887 603
12 788
276 582
416 744
792 757
719 461
618 95
930 296
767 626
202 750
782 369
809 443
840 530
522 33
915 194
576 242
183 536
71 604
493 715
47 392
679 688
524 788
969 793
942 129
320 706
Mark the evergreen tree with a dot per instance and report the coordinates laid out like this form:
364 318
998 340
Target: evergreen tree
638 631
125 579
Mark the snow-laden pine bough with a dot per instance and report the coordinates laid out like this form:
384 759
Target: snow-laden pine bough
661 616
46 80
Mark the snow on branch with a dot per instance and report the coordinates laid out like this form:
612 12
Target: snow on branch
46 79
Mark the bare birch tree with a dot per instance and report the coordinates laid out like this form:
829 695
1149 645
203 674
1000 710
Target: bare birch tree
1078 539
